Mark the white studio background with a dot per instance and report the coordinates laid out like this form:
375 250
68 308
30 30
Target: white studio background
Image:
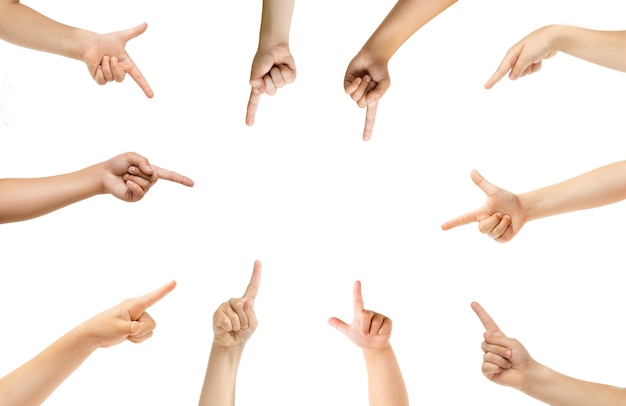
318 206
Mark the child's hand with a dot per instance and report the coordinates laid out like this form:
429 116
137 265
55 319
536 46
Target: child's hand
272 68
129 177
501 217
505 361
126 321
366 81
369 330
107 60
234 321
525 57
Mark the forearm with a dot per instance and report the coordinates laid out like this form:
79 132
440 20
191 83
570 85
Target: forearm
33 382
406 17
385 382
25 27
557 389
221 375
606 48
596 188
24 199
275 22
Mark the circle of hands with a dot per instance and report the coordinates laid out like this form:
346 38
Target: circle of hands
235 321
107 60
129 176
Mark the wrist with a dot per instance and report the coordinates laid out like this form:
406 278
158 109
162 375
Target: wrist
537 376
372 54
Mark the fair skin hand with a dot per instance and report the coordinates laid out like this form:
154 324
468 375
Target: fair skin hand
33 382
504 213
605 48
273 66
104 54
508 363
367 78
371 332
501 217
234 322
127 176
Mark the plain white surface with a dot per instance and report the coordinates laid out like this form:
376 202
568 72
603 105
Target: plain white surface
319 207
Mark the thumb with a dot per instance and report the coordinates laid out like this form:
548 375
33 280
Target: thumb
134 328
379 90
339 325
482 183
134 32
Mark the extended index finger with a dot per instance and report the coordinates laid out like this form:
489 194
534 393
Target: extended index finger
138 77
255 281
505 67
490 326
357 298
253 103
141 303
370 117
173 176
461 220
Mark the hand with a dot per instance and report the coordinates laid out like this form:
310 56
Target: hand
366 81
234 321
501 217
369 330
272 68
126 321
129 177
107 60
525 57
505 361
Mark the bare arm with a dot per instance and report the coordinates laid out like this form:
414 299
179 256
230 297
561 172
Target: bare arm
385 381
104 54
404 19
367 78
599 187
504 213
507 362
605 48
556 389
32 383
127 176
273 65
371 331
23 26
234 322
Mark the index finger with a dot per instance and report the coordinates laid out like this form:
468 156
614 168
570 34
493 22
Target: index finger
253 103
505 67
137 76
370 117
357 298
173 176
143 302
490 326
461 220
255 281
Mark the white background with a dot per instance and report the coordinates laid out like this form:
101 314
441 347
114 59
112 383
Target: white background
318 206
